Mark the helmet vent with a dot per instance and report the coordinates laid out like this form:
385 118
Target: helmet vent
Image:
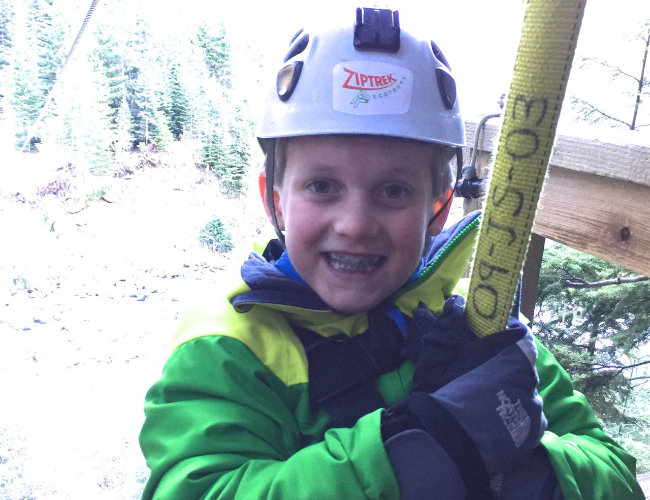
293 38
447 87
439 55
299 46
288 78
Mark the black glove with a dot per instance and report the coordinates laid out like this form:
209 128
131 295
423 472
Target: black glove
474 399
433 343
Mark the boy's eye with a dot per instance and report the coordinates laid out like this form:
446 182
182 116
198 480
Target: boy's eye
395 191
320 186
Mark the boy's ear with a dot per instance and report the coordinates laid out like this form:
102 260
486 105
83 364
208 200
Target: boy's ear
261 180
441 207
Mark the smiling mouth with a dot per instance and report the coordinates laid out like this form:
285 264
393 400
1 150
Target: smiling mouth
354 263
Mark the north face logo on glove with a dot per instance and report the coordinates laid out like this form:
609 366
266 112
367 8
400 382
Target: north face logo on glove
514 418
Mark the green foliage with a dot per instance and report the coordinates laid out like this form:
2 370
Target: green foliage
6 24
122 140
49 223
216 51
227 152
618 313
20 282
239 157
96 194
214 152
162 135
108 61
26 97
177 110
51 29
598 334
215 236
634 435
133 85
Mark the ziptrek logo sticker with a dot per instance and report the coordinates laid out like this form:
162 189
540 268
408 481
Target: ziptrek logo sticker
372 88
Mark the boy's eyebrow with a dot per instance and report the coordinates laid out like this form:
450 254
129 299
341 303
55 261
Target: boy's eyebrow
409 171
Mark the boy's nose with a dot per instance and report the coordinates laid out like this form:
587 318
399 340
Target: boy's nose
356 219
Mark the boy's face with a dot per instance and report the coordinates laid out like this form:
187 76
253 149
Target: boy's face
355 211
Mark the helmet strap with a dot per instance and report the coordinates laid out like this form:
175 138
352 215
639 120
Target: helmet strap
442 209
270 181
459 163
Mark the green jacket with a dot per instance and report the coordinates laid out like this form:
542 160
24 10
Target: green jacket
230 416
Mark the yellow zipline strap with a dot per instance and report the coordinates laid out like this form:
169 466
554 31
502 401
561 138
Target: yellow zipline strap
542 67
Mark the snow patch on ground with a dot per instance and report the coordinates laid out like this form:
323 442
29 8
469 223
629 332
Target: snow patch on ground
88 300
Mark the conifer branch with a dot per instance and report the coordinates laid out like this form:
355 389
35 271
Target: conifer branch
620 368
575 282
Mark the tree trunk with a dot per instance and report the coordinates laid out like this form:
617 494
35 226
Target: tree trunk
641 81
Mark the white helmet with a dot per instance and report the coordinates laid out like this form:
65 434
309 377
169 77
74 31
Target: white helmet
367 78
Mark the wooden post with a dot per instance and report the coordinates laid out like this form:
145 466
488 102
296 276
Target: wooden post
530 276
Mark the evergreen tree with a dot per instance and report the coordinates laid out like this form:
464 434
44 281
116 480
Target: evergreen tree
177 109
215 236
145 87
162 135
88 116
214 153
6 24
238 159
201 113
107 59
25 93
56 130
217 53
98 114
122 139
38 56
49 27
26 96
596 331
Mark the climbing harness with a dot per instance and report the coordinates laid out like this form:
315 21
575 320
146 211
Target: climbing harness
343 370
50 94
542 66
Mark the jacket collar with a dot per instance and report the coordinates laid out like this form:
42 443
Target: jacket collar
265 283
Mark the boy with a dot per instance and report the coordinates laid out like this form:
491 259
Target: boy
339 365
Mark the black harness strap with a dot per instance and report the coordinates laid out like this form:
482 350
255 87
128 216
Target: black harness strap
343 370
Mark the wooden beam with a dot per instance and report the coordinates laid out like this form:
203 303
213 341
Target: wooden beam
596 197
604 217
620 154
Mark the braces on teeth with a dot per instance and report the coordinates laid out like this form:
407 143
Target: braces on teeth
354 263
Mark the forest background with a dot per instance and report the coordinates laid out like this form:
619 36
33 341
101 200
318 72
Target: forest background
128 185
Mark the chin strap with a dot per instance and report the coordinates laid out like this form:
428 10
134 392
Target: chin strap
270 181
459 167
442 209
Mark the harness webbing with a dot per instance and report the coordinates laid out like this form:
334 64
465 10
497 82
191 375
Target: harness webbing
343 370
542 66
